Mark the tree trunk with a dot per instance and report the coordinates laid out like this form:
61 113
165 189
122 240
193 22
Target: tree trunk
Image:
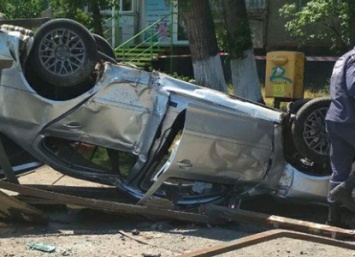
206 61
245 77
240 46
96 16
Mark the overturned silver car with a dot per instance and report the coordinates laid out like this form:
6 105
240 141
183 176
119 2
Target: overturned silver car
67 103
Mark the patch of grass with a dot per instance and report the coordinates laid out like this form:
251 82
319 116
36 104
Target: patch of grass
312 93
308 93
181 77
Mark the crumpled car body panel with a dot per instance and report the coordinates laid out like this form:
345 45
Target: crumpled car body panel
171 129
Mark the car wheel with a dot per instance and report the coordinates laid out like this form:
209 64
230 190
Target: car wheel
308 130
104 46
64 53
302 162
293 155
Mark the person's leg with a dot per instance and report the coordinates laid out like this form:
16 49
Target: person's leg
335 215
341 158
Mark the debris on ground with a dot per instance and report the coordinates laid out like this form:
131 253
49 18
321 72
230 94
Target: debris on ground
87 234
13 209
135 232
41 247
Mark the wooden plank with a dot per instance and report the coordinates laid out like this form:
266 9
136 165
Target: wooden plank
224 213
12 209
102 193
110 206
264 237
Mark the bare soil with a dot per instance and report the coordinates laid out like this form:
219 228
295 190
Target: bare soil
84 233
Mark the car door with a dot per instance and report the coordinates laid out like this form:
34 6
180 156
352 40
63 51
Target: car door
123 115
223 144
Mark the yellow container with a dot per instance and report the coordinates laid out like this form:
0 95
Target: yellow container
284 74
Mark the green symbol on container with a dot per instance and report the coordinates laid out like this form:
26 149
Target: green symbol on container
278 73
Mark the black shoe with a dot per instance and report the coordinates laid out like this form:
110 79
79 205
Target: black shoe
335 214
342 195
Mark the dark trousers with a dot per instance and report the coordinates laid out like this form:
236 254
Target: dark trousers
342 152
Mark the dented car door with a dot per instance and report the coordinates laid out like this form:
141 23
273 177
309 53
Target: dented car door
124 114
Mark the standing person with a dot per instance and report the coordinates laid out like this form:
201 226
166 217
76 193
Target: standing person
340 123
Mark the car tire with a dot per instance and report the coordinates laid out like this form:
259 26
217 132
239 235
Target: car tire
290 149
64 53
293 155
104 46
308 130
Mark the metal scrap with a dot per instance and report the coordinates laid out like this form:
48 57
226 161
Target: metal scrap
263 237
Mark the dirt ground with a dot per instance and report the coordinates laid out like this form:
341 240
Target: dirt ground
84 233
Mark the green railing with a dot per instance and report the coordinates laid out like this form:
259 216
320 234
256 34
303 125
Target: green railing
108 33
111 32
151 44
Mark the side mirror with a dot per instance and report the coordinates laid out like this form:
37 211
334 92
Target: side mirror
4 64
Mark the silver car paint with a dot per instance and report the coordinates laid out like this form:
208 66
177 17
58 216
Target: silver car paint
229 139
295 184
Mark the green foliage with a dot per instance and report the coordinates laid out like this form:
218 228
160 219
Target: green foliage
100 157
220 26
72 9
221 36
233 33
324 20
75 9
22 8
181 77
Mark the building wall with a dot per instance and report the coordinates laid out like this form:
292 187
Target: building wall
276 35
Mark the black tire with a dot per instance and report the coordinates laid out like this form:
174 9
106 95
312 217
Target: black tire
293 107
308 130
293 155
290 149
302 162
104 46
64 53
